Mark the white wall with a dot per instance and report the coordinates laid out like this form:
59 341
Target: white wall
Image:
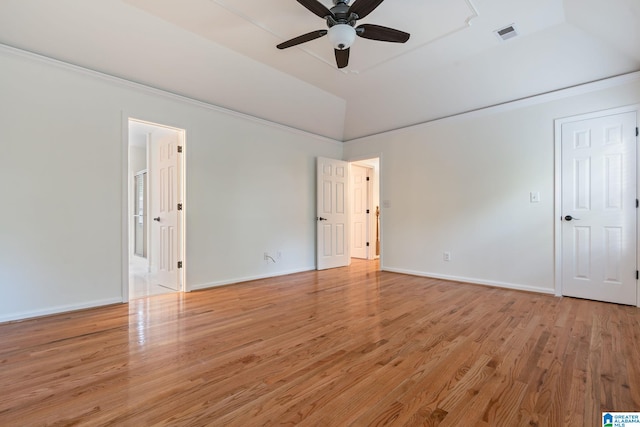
137 159
250 187
250 190
462 185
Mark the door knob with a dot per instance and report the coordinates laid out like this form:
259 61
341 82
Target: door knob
321 219
570 218
157 219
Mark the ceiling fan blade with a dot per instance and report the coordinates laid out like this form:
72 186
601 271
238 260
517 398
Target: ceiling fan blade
378 32
302 39
317 8
342 57
364 7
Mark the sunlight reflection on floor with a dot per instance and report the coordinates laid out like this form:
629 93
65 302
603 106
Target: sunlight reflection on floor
143 284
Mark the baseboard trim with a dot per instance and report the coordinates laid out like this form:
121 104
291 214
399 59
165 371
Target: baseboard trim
472 281
98 303
58 310
248 279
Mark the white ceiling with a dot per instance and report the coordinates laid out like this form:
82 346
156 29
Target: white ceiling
223 52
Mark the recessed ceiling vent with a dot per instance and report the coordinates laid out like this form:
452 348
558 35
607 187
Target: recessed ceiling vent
506 33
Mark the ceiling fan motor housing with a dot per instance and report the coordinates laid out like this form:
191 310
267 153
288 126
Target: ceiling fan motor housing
341 14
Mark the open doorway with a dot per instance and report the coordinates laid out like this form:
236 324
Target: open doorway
155 209
348 212
365 209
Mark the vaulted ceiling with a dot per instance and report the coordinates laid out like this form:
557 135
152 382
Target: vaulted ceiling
223 52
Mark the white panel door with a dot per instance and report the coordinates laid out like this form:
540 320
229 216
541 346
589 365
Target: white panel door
599 208
166 216
332 218
359 212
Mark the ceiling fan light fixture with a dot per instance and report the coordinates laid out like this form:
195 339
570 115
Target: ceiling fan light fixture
342 36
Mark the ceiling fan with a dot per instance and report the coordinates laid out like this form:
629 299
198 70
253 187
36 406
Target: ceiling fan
341 20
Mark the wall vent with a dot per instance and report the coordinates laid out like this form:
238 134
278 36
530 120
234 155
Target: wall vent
506 33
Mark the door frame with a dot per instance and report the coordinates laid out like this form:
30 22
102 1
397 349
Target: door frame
126 200
557 211
369 204
375 182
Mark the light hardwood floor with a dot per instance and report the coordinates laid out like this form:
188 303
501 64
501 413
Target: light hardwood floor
350 346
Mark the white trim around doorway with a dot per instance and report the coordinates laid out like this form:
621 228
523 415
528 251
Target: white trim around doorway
126 185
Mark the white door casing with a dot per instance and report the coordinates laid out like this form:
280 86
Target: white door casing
166 190
360 242
332 216
598 208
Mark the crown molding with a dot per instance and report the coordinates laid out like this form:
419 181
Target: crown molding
541 98
150 90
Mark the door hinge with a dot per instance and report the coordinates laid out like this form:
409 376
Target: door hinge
367 243
368 178
367 210
179 264
637 275
179 206
636 131
179 148
637 203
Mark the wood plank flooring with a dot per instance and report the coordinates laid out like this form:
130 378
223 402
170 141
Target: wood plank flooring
351 346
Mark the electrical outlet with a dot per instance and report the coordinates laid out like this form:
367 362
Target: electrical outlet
446 256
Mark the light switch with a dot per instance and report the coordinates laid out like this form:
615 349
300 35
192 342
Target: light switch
534 197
